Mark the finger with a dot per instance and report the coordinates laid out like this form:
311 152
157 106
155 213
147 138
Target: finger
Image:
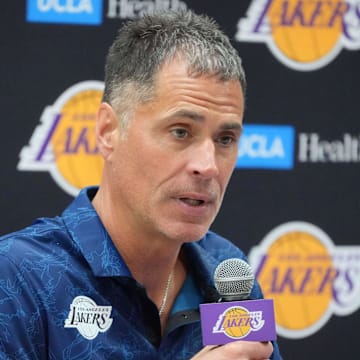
247 350
204 351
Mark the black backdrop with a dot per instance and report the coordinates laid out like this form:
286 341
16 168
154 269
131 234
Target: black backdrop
39 61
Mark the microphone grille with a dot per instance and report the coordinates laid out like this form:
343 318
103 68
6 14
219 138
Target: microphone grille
234 279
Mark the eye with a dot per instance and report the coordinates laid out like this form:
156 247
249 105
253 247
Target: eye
180 133
227 140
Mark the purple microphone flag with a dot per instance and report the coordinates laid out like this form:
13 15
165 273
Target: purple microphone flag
250 320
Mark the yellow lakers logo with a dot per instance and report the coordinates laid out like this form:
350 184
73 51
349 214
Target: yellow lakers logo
237 322
302 34
309 278
64 142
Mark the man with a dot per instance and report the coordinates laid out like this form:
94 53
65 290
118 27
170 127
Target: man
121 274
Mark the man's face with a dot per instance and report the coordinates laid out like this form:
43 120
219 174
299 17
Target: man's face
170 172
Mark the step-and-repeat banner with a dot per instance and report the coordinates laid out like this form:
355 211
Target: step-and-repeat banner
293 203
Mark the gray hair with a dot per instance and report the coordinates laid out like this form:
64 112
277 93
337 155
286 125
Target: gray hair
142 46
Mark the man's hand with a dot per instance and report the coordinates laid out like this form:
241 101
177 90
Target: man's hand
237 350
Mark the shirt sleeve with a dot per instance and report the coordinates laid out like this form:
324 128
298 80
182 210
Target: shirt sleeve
21 331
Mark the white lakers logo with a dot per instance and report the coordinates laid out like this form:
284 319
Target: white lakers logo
88 317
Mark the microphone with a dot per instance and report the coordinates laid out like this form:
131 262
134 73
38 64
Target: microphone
236 317
234 279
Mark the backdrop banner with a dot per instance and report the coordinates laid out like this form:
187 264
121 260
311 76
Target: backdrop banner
293 201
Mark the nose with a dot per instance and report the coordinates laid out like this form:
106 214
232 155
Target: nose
202 161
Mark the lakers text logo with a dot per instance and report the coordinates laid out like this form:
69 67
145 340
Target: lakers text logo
88 317
64 141
303 34
237 322
308 277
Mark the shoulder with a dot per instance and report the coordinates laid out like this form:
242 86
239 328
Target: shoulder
32 265
45 238
41 236
36 263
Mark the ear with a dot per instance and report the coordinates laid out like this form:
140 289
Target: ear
107 127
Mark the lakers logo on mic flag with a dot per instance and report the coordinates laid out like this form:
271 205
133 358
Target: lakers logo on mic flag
235 317
251 320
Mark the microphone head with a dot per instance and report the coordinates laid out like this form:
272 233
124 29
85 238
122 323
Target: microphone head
234 279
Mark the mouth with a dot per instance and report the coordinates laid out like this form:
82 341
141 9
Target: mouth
192 202
197 207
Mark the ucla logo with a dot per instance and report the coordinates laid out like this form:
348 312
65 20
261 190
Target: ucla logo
267 147
64 142
303 34
88 317
65 11
308 277
237 322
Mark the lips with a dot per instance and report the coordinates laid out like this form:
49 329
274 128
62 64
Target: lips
195 206
193 202
197 199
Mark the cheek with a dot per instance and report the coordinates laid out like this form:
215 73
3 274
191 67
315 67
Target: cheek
126 169
225 173
142 167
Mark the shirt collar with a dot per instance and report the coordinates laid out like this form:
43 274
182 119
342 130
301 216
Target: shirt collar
94 242
202 265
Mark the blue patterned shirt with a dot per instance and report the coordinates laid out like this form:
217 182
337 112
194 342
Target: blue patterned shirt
66 293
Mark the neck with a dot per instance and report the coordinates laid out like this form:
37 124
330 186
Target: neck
150 259
137 243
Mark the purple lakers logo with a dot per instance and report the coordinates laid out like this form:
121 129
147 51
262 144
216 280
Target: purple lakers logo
308 277
303 34
237 322
64 142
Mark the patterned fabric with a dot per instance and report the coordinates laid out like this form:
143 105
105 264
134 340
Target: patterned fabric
66 293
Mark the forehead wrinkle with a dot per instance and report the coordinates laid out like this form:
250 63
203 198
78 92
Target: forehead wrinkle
190 93
174 86
193 115
232 126
185 88
202 105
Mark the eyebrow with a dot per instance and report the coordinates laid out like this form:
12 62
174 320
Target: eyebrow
197 117
189 114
